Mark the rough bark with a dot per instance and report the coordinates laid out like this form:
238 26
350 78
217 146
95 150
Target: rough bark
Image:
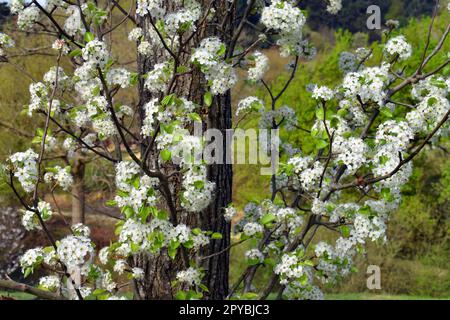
160 270
217 267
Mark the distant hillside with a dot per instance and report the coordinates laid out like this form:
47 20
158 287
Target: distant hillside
353 15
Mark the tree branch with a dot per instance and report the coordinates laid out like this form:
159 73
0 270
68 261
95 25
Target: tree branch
17 286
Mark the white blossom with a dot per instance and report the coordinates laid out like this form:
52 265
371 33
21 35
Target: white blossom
28 16
25 168
138 273
254 255
190 276
261 65
289 268
120 266
334 6
96 52
74 251
398 47
50 283
252 228
73 23
249 104
135 34
230 213
119 76
323 93
367 85
61 176
158 78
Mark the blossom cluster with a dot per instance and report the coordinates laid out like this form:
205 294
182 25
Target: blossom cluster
398 47
209 56
61 176
5 43
260 67
25 168
288 20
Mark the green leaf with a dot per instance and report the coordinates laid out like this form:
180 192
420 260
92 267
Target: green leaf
28 271
364 210
249 296
162 215
320 114
98 292
252 262
118 230
45 214
167 100
216 236
166 155
134 79
342 113
94 273
188 244
347 134
203 287
384 160
334 122
75 53
136 182
111 203
303 279
386 112
88 37
345 231
172 249
432 101
268 218
122 193
195 117
386 194
36 140
180 295
270 262
222 50
144 213
199 184
321 144
208 98
135 247
128 212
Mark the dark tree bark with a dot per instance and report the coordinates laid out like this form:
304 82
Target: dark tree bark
160 270
217 267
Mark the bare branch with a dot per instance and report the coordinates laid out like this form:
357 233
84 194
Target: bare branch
17 286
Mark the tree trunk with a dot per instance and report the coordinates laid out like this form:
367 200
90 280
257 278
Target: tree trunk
78 197
217 267
160 270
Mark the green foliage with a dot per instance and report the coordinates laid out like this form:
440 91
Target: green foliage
415 260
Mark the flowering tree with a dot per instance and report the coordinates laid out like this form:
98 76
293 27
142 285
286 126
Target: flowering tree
173 239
